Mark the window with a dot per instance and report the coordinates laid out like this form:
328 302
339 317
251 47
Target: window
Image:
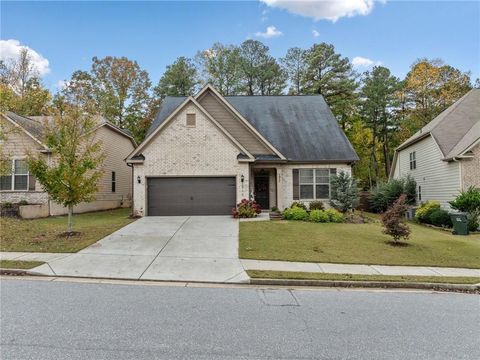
18 177
191 120
313 183
114 182
419 193
413 161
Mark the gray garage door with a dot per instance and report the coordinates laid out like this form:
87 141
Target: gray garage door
191 196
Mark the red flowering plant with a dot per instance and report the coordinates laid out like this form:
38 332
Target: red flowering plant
246 209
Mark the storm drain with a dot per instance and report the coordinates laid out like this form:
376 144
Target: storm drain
273 297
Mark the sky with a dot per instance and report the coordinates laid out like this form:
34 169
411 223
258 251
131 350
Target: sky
64 36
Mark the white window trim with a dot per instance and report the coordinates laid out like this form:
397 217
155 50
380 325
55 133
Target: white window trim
413 160
314 184
12 176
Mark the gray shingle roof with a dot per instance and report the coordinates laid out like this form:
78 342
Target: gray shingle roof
302 128
456 128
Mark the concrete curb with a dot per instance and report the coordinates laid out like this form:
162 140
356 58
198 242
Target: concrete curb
474 288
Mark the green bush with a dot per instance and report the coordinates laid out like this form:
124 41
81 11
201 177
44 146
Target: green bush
424 211
316 205
469 202
384 195
7 205
344 195
320 216
299 205
440 217
23 202
295 213
335 216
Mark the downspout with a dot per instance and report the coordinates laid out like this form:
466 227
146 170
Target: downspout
132 207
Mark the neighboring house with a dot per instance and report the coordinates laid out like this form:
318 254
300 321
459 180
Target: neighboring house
25 135
204 154
444 156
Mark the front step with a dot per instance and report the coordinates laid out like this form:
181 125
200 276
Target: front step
275 215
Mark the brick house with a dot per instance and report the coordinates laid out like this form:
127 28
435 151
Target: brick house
205 153
444 156
25 134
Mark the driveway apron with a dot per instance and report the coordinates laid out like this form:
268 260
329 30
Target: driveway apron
170 248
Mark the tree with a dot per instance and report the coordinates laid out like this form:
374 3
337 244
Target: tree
180 79
272 78
18 72
221 67
120 90
331 75
431 86
344 195
294 64
71 178
393 220
379 102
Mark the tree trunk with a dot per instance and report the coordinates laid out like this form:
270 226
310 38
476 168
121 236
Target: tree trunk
70 216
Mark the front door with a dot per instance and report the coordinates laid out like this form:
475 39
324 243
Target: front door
262 191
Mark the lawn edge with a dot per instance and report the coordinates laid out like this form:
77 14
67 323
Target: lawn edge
475 288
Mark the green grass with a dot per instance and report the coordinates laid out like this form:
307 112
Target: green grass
45 235
17 264
355 244
292 275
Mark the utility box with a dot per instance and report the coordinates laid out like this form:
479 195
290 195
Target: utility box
460 223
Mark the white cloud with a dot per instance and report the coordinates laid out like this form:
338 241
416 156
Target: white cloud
10 49
62 84
315 33
362 62
324 9
271 32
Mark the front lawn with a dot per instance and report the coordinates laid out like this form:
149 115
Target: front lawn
44 235
293 275
18 264
355 244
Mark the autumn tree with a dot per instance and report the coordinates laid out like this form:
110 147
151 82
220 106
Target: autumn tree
179 79
120 90
72 176
294 64
220 66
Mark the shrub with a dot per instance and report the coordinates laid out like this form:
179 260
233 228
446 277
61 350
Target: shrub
423 212
316 205
7 205
299 205
320 216
246 209
440 217
23 202
274 209
469 202
295 213
393 220
335 216
384 195
344 194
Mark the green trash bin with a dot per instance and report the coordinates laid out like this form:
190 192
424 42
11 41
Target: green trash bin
460 223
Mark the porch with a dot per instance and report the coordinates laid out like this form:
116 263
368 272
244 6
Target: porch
264 186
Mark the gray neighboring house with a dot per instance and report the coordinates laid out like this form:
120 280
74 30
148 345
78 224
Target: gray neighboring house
205 153
444 156
25 134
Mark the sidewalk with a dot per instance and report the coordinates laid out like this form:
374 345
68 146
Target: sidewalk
357 269
294 266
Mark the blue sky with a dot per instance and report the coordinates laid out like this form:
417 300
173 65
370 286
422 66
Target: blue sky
393 33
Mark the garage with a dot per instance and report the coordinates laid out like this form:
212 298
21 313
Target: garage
173 196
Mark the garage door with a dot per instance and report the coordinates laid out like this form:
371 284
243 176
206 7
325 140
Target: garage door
191 196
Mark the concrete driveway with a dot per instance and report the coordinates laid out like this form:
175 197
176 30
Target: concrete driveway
173 248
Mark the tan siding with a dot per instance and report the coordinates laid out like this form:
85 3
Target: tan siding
440 180
233 125
471 169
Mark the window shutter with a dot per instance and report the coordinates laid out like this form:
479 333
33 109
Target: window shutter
296 184
31 182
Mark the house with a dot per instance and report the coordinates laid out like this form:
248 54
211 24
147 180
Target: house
25 134
205 153
444 156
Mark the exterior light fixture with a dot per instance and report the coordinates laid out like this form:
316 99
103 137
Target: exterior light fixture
139 179
242 178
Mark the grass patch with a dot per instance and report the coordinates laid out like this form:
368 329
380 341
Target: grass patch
355 244
18 264
292 275
45 235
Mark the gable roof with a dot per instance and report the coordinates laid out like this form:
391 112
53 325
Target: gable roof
455 129
302 128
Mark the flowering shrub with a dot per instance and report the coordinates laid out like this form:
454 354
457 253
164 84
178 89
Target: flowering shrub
295 213
335 215
319 216
246 209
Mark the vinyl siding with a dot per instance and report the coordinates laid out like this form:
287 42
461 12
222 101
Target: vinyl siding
439 180
233 125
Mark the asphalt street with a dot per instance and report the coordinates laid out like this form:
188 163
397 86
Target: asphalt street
74 320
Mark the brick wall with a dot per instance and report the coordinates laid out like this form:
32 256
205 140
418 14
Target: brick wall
471 170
